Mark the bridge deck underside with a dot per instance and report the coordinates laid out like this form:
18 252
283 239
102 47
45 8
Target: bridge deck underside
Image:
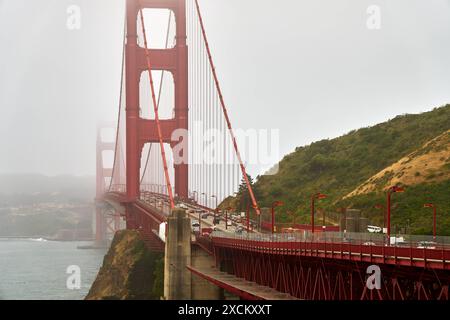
240 287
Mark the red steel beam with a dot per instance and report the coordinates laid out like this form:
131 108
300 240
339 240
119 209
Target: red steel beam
174 60
438 259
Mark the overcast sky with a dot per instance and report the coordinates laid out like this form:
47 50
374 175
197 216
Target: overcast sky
310 68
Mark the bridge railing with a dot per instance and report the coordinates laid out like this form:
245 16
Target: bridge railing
120 188
368 239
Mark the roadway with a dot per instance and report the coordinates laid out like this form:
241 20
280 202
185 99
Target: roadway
162 205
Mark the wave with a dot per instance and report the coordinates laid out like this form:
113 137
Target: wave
38 239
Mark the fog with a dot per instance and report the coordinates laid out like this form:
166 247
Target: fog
310 68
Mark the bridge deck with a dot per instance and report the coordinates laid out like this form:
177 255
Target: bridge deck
240 287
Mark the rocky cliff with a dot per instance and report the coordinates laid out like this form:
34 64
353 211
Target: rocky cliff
130 271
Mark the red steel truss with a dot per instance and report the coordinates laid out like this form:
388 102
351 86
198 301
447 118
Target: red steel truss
327 271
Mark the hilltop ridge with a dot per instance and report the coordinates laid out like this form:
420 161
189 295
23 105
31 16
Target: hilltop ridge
339 166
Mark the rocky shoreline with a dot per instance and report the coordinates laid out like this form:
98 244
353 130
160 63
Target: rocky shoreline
130 271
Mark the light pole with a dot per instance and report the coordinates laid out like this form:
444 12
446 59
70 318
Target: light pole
315 196
323 219
248 218
206 199
431 205
226 217
200 221
215 197
195 193
391 190
215 208
274 205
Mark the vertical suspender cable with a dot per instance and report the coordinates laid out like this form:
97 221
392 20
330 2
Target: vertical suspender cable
120 110
225 112
199 111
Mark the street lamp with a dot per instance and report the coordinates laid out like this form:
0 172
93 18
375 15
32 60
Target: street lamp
200 220
323 220
226 216
314 197
195 194
274 205
431 205
391 190
215 208
213 196
206 199
248 217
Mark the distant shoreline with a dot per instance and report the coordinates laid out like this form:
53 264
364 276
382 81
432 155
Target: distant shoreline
45 238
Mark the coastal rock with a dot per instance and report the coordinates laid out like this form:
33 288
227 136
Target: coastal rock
130 271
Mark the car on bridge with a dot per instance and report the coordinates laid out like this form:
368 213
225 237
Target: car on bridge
195 226
205 216
206 232
426 245
239 230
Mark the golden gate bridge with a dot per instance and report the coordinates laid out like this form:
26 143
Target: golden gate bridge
189 159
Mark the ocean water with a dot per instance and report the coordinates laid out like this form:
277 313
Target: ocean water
36 269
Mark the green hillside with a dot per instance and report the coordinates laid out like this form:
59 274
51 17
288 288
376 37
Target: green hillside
337 167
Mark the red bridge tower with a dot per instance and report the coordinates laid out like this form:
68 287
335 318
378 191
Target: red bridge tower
174 60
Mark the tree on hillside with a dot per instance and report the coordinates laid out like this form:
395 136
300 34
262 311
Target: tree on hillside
243 194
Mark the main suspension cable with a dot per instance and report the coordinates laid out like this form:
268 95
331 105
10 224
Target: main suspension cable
155 108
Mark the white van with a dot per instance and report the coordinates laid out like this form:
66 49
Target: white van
195 227
397 241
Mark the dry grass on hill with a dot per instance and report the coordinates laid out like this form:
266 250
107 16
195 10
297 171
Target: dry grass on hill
430 163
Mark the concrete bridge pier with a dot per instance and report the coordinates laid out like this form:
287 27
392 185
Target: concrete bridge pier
177 278
179 282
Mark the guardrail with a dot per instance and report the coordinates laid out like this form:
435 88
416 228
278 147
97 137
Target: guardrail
368 239
412 251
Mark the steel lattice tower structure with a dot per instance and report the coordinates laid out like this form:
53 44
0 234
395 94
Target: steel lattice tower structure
174 60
